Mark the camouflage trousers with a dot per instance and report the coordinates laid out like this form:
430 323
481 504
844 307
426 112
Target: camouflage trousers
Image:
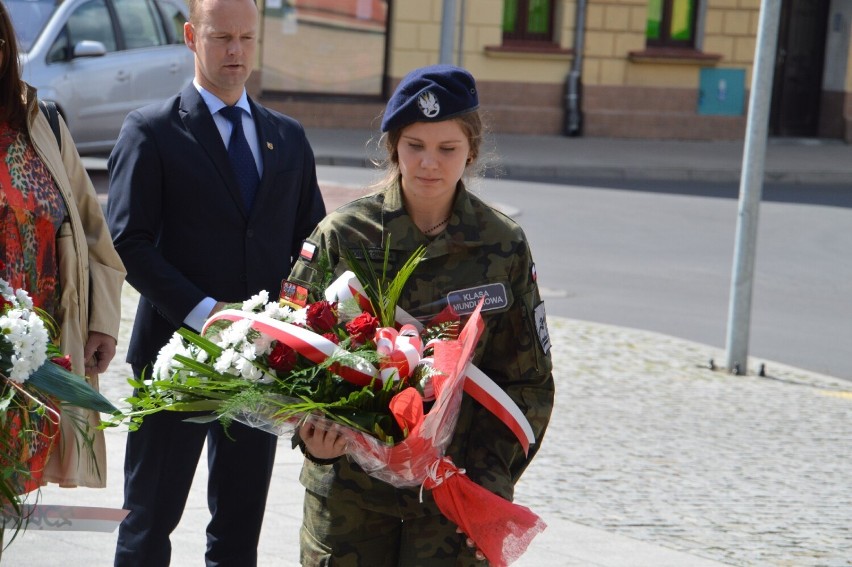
339 530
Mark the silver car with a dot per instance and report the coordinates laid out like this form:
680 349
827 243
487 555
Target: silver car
100 59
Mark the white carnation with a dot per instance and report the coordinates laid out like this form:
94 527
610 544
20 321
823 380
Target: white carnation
256 301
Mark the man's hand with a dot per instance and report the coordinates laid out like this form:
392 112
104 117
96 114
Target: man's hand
98 352
216 308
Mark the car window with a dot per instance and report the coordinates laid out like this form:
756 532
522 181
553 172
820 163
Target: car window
90 21
28 19
174 17
140 29
61 48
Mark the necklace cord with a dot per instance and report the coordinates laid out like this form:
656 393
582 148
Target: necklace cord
440 224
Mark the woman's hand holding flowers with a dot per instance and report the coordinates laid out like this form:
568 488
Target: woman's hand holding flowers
323 442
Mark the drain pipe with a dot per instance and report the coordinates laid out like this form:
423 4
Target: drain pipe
574 84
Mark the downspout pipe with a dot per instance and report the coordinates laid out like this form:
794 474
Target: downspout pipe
574 83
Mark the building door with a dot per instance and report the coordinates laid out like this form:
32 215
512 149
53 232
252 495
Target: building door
799 60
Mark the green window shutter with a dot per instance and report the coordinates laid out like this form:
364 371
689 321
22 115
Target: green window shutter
682 19
655 18
538 16
510 16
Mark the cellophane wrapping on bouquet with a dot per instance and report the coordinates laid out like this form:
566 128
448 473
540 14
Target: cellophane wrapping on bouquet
405 463
501 530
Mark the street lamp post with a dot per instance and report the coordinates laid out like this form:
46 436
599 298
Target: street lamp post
448 30
751 186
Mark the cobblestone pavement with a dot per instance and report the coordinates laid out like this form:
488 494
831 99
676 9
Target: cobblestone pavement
648 442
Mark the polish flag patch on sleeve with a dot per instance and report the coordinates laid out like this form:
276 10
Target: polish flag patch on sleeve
308 251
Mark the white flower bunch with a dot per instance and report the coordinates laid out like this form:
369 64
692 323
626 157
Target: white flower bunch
241 346
166 364
23 330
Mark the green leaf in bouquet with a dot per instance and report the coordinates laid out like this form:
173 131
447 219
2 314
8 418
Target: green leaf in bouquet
203 419
69 388
383 292
211 348
197 405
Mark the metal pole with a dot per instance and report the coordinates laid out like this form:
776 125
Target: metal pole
751 186
448 28
460 54
574 118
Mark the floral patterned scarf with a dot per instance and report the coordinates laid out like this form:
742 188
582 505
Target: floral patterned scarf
31 212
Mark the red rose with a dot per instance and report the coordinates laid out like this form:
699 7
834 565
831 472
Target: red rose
332 337
322 316
282 358
63 361
362 328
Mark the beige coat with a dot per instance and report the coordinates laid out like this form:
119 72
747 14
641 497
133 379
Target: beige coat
91 275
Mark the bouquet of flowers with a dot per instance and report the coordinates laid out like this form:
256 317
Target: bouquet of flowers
354 359
35 381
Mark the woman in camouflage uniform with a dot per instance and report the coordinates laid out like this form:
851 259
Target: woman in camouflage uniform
433 135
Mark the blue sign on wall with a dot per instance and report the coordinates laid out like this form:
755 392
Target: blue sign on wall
721 92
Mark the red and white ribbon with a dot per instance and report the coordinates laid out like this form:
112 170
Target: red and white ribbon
400 351
477 384
312 346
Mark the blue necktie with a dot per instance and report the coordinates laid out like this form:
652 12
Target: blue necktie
239 152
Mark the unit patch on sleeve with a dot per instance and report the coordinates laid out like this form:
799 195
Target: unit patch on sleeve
293 295
541 328
464 301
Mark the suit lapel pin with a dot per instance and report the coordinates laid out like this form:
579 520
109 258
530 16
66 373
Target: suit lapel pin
269 145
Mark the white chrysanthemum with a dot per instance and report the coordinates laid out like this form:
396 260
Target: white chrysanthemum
7 291
256 301
235 334
248 370
249 352
165 364
226 362
299 317
23 299
277 311
263 344
201 355
24 330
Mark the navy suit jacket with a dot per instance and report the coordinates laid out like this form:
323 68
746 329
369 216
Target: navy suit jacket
178 221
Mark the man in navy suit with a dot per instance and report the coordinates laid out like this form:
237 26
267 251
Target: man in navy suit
193 238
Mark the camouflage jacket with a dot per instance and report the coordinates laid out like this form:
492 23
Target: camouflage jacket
481 252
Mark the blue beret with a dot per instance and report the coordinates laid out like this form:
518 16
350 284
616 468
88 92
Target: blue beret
430 94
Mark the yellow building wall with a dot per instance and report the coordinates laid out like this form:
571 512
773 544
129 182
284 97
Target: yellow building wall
614 29
416 41
623 80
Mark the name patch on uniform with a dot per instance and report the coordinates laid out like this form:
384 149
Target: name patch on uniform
541 327
464 301
375 254
308 251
